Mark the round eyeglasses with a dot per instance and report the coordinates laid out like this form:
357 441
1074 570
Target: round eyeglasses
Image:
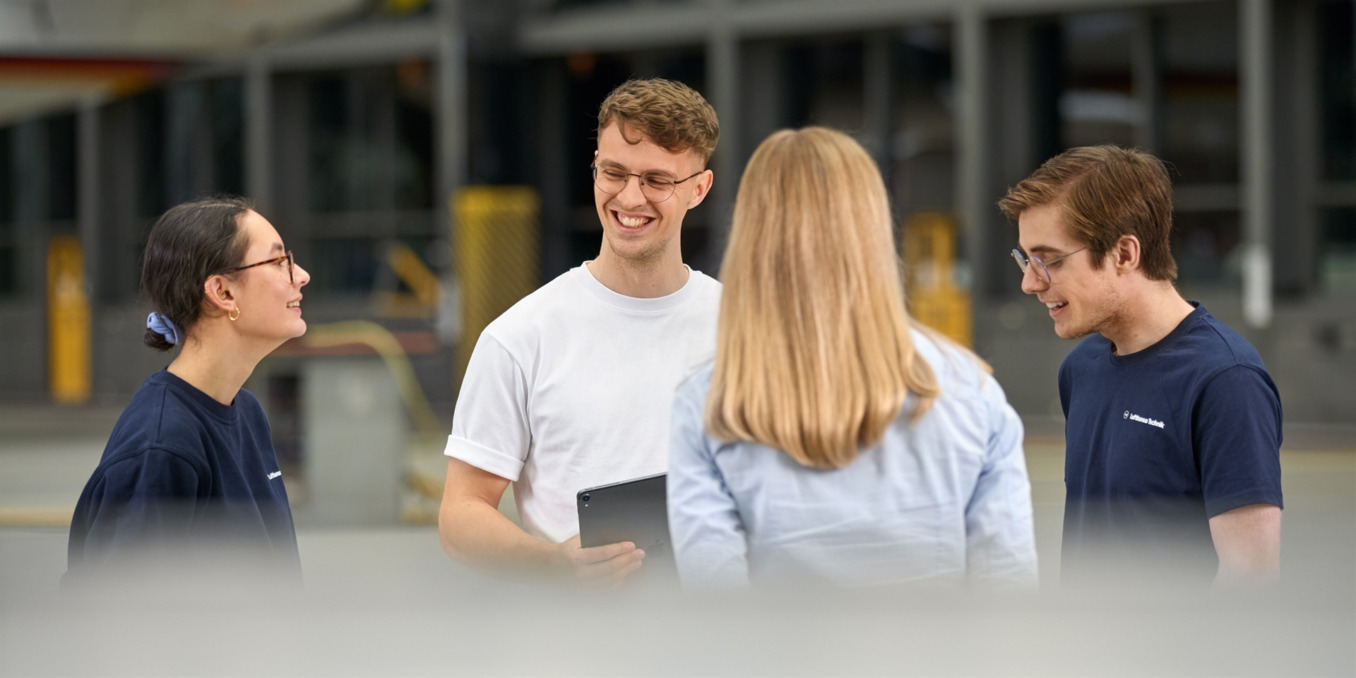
275 260
657 186
1024 262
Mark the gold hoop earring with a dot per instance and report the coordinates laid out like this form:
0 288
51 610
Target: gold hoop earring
235 313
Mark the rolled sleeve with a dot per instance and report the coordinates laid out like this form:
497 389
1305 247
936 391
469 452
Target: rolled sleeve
490 428
484 458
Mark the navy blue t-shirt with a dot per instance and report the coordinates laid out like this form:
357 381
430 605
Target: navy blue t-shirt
1160 441
183 473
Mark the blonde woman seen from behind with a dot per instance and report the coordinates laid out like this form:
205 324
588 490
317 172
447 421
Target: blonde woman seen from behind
831 442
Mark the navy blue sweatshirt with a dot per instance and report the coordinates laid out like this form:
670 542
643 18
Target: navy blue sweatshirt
182 474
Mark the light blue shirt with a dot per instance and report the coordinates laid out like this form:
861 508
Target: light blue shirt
945 499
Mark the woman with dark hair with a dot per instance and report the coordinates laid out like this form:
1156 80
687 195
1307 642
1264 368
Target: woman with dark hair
189 469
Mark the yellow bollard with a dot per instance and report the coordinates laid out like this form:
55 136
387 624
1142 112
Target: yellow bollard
498 255
929 263
68 322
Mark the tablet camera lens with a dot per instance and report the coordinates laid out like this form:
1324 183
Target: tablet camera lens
586 497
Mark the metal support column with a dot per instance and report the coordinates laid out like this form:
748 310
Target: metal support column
259 133
1258 154
550 98
722 81
1298 90
1146 80
877 107
32 173
450 131
87 207
974 202
184 157
452 97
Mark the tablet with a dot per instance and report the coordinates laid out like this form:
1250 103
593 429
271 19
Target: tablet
633 510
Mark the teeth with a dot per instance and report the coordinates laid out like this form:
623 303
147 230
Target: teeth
632 222
294 304
1054 304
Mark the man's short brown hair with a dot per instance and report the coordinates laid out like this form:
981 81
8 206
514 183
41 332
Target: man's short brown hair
671 114
1103 193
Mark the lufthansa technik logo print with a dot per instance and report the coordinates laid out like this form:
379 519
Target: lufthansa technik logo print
1143 420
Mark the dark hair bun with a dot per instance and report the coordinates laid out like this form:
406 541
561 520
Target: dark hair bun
156 340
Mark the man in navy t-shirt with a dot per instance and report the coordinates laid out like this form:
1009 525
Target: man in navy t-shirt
1173 426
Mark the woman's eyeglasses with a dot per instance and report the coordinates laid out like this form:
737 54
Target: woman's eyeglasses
275 260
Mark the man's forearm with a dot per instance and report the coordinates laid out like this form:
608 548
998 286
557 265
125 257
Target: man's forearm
478 535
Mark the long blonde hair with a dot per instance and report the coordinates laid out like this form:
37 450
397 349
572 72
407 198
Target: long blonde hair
813 353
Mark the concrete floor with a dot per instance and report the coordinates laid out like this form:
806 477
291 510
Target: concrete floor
386 601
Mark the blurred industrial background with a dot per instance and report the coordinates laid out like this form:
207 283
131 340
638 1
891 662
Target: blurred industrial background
427 159
427 162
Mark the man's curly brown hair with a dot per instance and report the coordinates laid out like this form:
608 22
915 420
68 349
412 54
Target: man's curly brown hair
672 115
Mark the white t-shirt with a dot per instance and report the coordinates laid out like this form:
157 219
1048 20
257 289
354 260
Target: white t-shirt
573 387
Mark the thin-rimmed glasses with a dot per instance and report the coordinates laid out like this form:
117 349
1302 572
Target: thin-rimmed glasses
657 186
1024 261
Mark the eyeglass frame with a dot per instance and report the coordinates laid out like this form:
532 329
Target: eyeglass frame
1023 261
643 185
291 264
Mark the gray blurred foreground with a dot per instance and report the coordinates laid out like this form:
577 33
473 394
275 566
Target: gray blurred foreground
386 601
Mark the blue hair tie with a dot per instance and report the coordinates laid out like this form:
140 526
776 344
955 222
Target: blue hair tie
163 326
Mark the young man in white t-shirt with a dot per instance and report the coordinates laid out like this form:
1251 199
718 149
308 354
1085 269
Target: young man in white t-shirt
572 387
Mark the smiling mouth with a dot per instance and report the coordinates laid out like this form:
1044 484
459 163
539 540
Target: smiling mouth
1055 305
631 221
294 304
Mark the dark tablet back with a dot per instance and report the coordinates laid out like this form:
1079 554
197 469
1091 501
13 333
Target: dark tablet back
633 510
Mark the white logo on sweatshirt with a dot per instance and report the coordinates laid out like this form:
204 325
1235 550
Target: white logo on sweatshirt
274 474
1143 420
